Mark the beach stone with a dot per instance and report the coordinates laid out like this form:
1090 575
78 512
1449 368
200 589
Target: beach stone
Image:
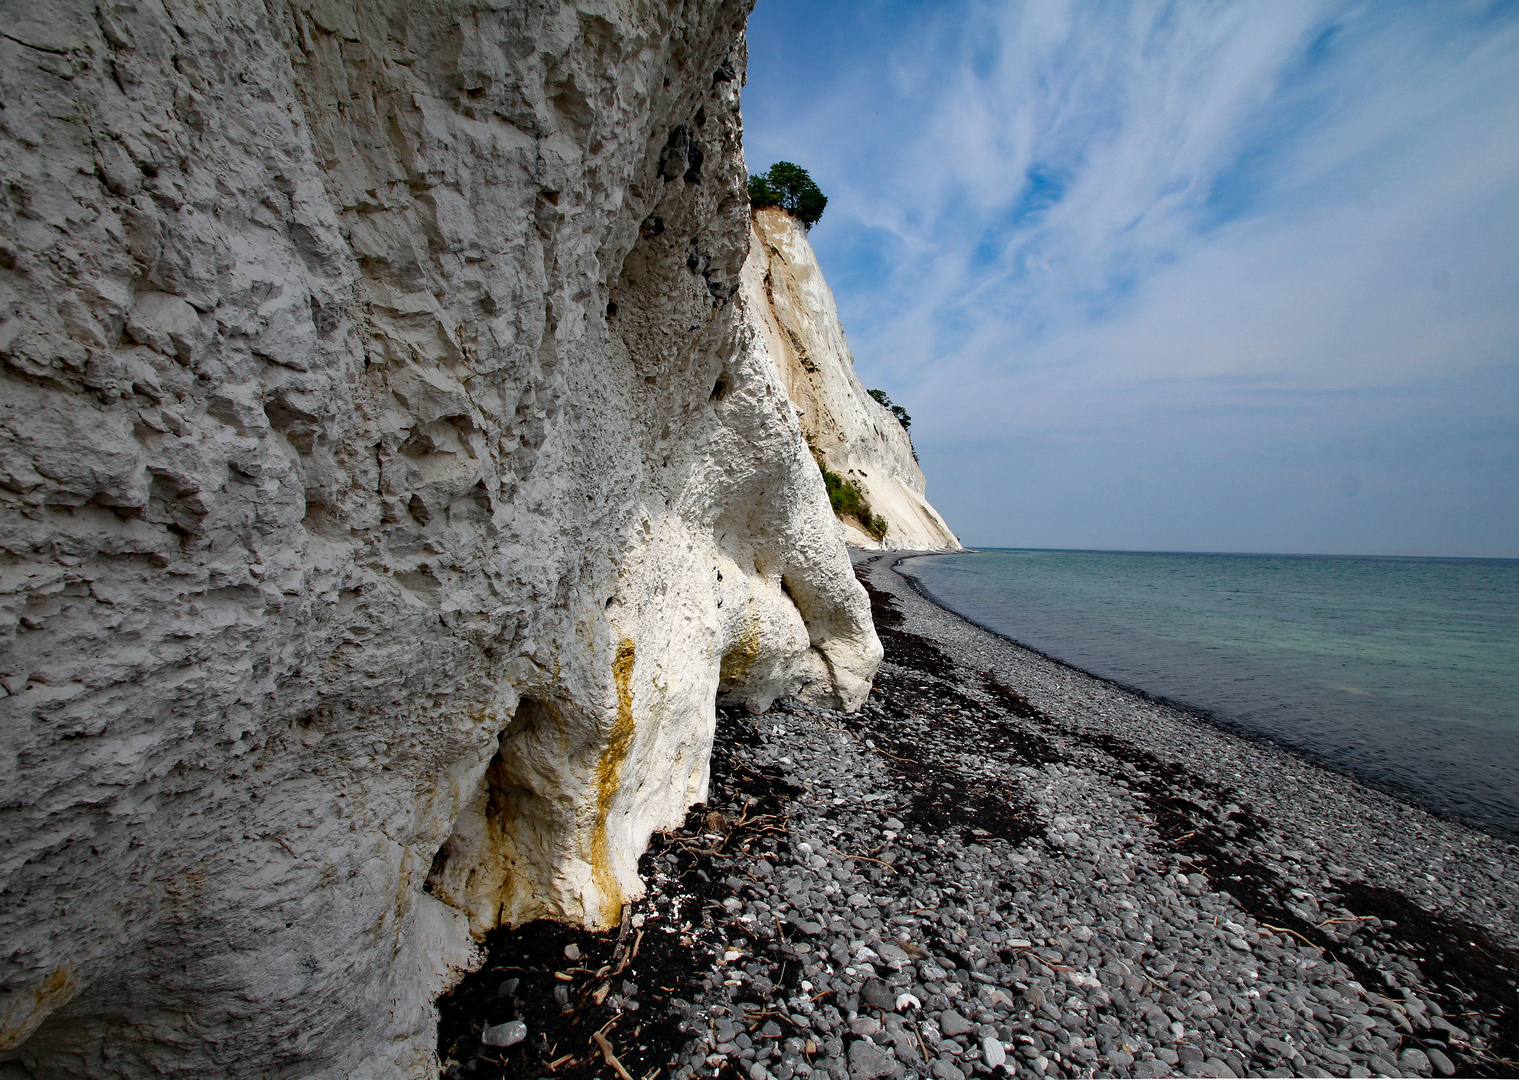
1439 1062
1277 1046
502 1035
944 1068
1414 1058
867 1061
952 1024
992 1052
878 995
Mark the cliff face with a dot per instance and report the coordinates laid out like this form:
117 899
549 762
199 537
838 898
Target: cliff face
388 487
792 308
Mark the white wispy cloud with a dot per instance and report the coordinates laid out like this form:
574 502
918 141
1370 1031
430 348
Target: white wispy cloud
1199 244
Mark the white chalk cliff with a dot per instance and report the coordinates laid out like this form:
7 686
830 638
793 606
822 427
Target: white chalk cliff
388 488
787 300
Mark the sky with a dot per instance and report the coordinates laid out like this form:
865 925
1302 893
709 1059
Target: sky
1173 276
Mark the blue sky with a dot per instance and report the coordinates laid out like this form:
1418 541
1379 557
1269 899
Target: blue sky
1193 276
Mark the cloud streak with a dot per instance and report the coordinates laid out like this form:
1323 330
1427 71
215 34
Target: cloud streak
1214 248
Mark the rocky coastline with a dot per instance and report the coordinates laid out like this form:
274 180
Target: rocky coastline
1004 866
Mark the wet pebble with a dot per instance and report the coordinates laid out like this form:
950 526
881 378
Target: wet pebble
503 1035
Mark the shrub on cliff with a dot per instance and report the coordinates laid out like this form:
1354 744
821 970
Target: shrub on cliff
845 496
789 187
847 500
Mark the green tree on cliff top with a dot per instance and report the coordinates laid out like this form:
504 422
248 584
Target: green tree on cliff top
789 187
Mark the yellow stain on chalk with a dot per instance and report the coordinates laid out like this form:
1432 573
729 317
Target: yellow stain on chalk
23 1010
733 671
608 778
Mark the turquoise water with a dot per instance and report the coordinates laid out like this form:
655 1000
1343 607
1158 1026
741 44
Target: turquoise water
1402 671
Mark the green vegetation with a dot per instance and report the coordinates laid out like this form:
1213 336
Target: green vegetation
789 187
847 500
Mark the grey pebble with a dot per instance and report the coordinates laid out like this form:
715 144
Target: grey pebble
1414 1058
878 995
502 1035
992 1053
867 1061
1441 1063
952 1024
944 1068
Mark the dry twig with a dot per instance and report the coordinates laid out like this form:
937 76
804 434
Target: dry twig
1294 933
611 1058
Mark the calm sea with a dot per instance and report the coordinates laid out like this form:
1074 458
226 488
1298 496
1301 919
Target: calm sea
1402 671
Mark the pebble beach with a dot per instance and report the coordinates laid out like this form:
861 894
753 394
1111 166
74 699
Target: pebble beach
1003 866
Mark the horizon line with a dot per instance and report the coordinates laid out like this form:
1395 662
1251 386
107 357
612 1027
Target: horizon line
1243 554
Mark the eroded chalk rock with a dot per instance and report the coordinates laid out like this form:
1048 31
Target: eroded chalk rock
791 307
389 488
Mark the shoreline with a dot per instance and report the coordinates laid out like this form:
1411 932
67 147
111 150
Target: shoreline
1376 793
1002 866
1386 787
1170 703
1481 865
